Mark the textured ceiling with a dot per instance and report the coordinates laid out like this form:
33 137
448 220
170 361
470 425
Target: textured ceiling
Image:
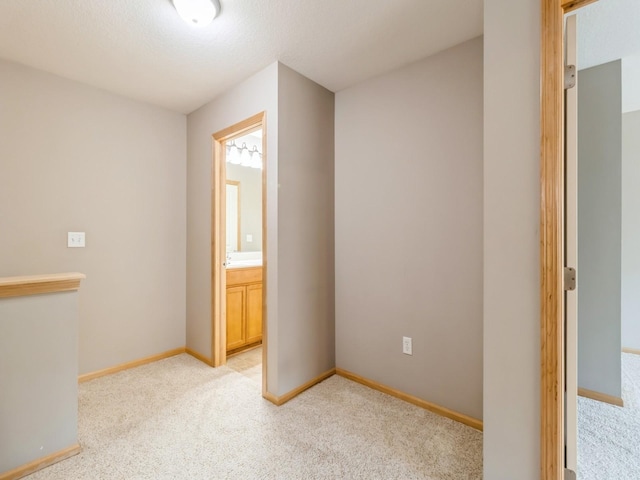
143 50
610 30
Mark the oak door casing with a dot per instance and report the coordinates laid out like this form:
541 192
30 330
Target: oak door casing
551 234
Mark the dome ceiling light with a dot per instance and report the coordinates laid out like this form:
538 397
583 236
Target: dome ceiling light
197 13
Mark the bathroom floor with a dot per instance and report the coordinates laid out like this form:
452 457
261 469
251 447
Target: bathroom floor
248 363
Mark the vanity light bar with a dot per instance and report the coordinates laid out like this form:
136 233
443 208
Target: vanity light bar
243 155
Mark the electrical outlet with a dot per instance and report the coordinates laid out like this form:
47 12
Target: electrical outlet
407 347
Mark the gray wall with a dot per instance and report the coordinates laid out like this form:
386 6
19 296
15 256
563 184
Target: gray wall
306 289
631 230
39 377
74 158
599 228
409 228
300 289
256 94
511 240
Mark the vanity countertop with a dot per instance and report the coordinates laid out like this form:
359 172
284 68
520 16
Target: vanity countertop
244 264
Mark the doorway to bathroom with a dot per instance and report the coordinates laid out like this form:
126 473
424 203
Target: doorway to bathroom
238 249
602 114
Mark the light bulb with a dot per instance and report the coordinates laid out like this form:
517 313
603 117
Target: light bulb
245 157
256 158
234 154
256 163
197 13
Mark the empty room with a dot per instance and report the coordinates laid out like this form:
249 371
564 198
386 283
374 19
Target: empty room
288 239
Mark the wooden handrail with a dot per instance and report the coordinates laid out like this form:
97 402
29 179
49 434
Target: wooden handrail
37 284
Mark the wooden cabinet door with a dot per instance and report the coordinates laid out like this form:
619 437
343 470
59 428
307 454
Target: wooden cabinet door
235 317
254 313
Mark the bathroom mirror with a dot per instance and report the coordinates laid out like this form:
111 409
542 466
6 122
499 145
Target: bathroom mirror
244 193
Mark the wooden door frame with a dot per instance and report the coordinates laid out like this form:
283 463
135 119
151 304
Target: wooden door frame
218 247
552 234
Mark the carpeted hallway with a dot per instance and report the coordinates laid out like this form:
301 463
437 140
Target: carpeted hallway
180 419
609 436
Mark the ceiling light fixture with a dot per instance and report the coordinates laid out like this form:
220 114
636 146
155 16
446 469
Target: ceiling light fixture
243 155
197 13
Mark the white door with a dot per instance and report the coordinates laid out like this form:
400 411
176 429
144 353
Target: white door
571 251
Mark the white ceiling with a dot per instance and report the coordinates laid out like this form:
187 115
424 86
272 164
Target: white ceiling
609 30
143 50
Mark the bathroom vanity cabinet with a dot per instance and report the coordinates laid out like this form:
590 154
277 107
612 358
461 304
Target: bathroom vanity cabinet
244 308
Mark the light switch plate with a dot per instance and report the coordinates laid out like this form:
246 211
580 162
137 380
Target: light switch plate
75 239
249 237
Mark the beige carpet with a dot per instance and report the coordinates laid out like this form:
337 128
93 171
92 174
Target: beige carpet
179 419
609 436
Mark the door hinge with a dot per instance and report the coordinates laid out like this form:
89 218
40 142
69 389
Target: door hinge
569 474
569 76
569 278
